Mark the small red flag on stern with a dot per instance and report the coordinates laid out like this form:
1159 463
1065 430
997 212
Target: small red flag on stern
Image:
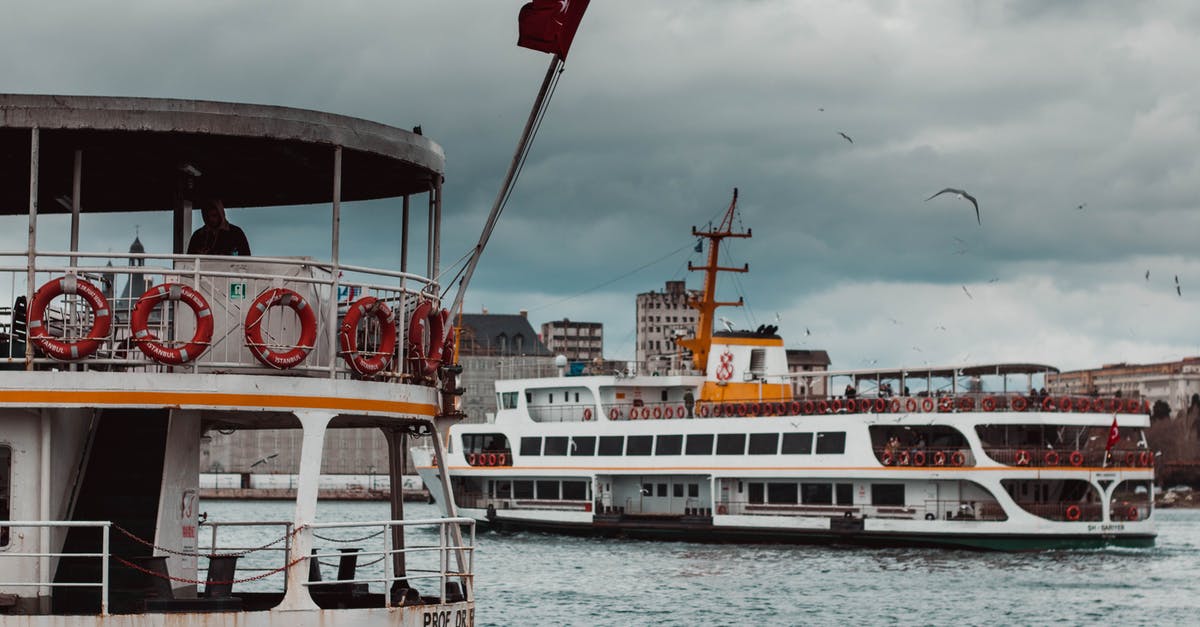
550 25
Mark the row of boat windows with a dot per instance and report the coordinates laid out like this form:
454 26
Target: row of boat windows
817 493
827 443
542 490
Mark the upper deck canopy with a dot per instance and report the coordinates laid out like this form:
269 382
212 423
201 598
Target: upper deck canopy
135 150
940 372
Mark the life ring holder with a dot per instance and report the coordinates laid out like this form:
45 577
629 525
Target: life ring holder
147 342
379 360
424 356
60 349
281 360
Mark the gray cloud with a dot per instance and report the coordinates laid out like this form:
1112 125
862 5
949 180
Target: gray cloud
1034 107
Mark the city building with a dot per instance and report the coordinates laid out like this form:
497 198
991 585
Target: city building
662 318
800 361
1174 383
578 341
497 346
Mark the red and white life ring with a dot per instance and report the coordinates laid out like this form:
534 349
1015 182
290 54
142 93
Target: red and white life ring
886 458
368 363
1051 458
989 403
587 413
918 458
721 509
927 404
426 329
1022 457
61 349
704 410
939 458
1132 513
1074 513
957 458
147 342
1019 403
1076 458
254 332
614 413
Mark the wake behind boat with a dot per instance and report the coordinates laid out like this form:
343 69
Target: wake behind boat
732 451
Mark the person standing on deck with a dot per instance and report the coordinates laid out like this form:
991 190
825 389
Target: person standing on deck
217 236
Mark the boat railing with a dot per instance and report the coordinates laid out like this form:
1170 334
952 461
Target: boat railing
232 287
1066 512
1091 457
928 510
927 457
44 581
267 557
943 403
560 412
441 559
648 410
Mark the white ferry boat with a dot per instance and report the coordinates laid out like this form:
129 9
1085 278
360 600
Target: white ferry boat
107 391
729 452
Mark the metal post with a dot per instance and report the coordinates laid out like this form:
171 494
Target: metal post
314 424
436 244
396 446
332 330
44 512
104 569
522 145
404 236
31 252
387 566
76 187
448 497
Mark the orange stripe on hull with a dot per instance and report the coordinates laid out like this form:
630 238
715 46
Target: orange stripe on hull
207 399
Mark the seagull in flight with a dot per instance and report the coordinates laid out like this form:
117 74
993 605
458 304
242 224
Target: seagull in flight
968 293
961 194
1147 275
1177 290
993 279
1080 206
894 321
846 137
939 328
807 332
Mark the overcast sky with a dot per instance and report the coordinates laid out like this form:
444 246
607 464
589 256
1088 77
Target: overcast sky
1034 107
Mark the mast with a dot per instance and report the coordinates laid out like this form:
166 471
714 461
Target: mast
707 304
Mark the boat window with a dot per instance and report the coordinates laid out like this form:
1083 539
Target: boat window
731 444
611 445
551 397
797 444
783 493
817 493
756 493
5 490
887 494
504 489
662 490
531 446
556 445
522 489
639 445
583 445
577 397
664 396
758 360
669 445
764 443
845 494
677 490
693 490
574 491
529 397
508 400
700 444
831 443
547 490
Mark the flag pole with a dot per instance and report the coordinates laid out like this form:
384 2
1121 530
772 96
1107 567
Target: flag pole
518 156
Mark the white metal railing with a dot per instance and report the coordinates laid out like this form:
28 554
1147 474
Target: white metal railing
44 569
250 550
422 561
230 284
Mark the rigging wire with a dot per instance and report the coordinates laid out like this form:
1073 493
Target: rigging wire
613 280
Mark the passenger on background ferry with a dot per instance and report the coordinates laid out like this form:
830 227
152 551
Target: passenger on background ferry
893 446
850 391
217 236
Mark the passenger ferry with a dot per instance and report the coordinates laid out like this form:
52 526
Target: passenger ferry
729 452
113 374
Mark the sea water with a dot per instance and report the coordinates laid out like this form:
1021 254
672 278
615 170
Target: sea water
542 579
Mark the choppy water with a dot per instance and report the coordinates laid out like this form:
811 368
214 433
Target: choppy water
537 579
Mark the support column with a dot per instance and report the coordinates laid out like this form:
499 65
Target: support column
397 442
314 424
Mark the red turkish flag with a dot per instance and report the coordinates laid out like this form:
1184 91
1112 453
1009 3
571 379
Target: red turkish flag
1113 436
550 25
